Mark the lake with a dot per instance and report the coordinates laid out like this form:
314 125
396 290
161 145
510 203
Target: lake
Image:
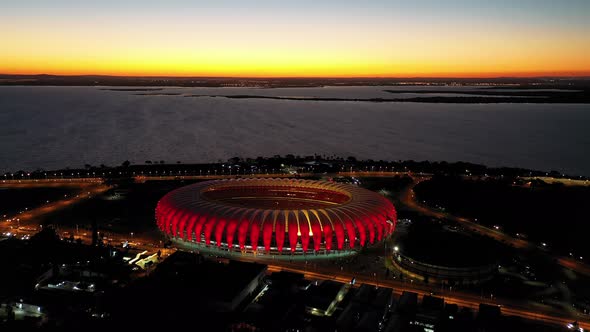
56 127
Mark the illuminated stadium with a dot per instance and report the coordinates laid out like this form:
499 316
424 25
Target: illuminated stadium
275 216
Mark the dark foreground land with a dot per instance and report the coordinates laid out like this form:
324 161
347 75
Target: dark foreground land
188 291
56 284
548 214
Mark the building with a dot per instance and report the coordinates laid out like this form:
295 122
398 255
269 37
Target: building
430 315
321 300
434 273
431 254
220 286
275 216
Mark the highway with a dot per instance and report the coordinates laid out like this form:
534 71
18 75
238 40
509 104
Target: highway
27 222
143 178
49 182
408 198
510 308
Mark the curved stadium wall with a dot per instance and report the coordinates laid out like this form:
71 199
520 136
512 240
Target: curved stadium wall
276 216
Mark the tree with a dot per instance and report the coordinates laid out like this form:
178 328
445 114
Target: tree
126 163
9 312
46 237
94 232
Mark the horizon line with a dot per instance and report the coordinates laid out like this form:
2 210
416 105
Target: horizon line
585 75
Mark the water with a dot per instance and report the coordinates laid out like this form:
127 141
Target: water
56 127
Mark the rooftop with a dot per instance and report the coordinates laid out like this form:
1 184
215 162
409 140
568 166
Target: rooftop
220 281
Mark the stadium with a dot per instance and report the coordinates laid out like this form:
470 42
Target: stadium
275 216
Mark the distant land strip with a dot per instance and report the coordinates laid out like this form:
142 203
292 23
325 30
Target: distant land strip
159 94
290 82
451 100
132 89
498 92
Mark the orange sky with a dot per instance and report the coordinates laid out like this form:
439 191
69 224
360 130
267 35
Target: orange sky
378 41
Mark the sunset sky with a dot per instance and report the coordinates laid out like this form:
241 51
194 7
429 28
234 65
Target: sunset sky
467 38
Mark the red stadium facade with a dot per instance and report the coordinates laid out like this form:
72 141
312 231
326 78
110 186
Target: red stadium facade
276 216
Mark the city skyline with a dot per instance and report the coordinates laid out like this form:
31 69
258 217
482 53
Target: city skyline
297 39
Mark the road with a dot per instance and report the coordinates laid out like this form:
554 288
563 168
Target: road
142 178
567 182
49 182
27 222
510 308
408 198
